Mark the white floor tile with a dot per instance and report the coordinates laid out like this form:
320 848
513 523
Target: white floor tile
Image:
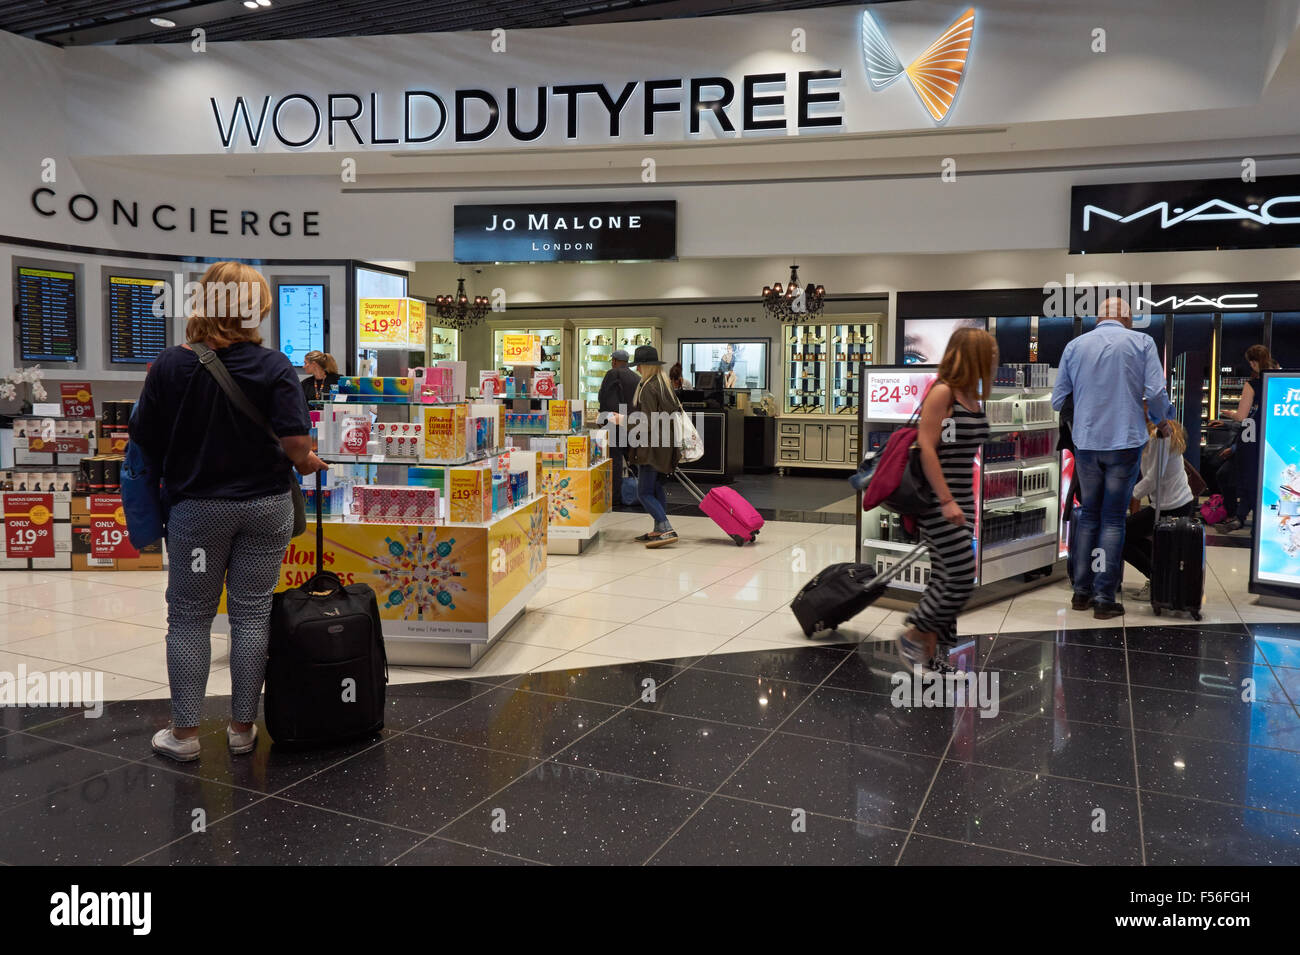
549 595
693 618
580 579
694 576
557 631
739 596
506 657
606 607
89 642
22 623
666 588
769 579
52 594
640 642
115 606
580 660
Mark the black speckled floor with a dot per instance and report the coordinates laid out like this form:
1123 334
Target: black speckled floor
1115 746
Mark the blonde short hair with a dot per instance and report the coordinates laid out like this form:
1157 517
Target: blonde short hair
233 300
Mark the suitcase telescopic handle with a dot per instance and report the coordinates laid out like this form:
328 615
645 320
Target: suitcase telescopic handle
320 529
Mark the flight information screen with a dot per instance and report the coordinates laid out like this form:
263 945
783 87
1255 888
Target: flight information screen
302 320
136 335
47 315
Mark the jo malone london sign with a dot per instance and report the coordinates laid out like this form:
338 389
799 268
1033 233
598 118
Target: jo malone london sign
566 232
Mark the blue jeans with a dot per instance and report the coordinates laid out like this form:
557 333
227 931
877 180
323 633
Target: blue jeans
1106 482
650 490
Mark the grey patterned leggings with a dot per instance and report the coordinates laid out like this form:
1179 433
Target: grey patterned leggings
211 542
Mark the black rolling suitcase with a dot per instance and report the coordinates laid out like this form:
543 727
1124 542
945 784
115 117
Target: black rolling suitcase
326 671
842 591
1177 559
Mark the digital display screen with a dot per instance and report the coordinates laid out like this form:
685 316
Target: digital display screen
302 320
47 315
926 339
894 395
136 335
739 364
1276 540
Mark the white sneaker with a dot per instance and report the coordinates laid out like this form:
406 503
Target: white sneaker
166 743
242 742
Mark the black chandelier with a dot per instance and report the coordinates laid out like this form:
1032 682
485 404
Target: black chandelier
791 303
458 311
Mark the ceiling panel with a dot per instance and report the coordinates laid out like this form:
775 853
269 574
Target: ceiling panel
81 22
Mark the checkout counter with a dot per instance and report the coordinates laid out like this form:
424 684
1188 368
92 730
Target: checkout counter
722 424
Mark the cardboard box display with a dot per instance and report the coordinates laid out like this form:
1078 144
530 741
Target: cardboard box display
444 432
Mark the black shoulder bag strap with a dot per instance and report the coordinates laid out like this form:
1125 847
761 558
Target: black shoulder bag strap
209 360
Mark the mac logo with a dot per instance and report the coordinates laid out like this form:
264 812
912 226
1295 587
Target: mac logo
1212 210
1223 303
935 75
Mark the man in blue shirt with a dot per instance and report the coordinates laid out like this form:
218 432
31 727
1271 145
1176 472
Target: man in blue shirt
1109 371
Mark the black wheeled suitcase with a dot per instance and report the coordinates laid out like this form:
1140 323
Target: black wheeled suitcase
1177 560
326 671
842 591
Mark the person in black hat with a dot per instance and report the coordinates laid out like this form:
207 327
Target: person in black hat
650 442
617 394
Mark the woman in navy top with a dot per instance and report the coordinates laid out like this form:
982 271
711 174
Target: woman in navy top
226 483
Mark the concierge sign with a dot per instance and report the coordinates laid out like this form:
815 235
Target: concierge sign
1181 216
566 232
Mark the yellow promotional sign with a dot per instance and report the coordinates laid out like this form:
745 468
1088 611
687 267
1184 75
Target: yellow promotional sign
419 573
557 415
577 496
382 323
415 318
521 349
516 553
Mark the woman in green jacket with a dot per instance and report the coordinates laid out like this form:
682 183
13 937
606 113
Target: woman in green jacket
651 444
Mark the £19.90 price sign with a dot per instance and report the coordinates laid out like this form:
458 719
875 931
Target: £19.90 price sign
78 402
108 536
29 525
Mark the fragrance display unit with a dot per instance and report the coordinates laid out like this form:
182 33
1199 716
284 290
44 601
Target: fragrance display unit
820 379
1018 481
555 341
441 344
61 465
579 490
595 344
447 589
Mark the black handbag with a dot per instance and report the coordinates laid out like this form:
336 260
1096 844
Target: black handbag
209 360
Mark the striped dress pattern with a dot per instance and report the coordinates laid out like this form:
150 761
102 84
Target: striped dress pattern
951 548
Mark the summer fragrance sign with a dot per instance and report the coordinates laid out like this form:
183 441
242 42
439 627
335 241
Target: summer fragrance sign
566 232
1176 216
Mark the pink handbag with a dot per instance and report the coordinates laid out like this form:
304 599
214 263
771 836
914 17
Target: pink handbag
1213 511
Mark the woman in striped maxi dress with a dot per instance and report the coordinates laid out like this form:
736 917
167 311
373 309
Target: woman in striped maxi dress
952 427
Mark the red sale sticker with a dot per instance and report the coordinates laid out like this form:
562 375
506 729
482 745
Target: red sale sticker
78 401
108 537
29 525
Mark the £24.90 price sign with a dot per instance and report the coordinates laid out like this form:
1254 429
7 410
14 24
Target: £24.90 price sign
29 525
108 536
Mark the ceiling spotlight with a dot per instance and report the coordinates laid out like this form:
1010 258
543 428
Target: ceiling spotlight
263 3
162 22
251 4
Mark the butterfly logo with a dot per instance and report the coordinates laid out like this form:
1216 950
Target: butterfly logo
936 74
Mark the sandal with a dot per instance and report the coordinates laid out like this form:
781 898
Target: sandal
662 540
912 653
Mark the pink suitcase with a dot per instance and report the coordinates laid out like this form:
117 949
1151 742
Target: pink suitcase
735 515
